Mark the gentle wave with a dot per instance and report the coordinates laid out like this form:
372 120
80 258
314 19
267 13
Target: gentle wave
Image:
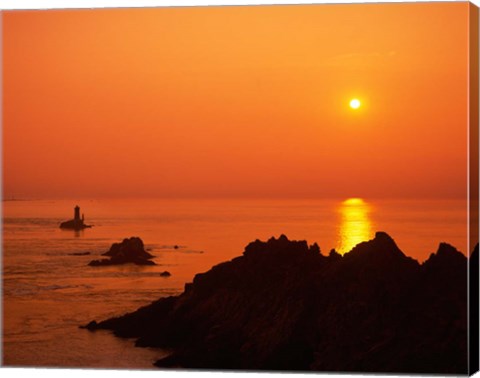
19 290
173 249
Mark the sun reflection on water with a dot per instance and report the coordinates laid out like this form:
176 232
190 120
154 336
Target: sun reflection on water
355 226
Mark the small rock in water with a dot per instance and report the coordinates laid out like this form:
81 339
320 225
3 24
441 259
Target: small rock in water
128 251
165 274
90 326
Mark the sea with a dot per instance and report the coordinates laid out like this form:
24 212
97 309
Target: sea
49 290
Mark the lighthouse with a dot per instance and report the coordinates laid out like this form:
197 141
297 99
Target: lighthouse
76 223
76 215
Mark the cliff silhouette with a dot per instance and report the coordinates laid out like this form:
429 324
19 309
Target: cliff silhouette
285 306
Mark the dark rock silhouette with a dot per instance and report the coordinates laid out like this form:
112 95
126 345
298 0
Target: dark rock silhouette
284 306
79 254
474 309
334 255
129 250
165 274
76 223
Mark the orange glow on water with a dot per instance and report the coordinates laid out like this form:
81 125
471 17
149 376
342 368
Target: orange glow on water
355 226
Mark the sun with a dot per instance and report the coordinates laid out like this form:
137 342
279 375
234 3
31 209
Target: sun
355 103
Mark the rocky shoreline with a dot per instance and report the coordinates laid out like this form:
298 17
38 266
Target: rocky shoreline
283 305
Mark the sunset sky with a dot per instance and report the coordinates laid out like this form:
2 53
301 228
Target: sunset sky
237 102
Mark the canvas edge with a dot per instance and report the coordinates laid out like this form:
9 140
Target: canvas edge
1 187
473 183
473 188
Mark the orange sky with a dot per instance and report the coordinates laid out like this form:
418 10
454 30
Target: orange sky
236 101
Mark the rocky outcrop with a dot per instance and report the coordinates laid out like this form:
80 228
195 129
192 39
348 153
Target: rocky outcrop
285 306
74 224
129 250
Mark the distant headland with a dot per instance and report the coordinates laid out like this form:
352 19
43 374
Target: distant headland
76 223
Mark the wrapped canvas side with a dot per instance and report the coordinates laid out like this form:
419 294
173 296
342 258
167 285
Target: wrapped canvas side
473 192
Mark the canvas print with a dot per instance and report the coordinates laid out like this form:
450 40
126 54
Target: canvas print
266 188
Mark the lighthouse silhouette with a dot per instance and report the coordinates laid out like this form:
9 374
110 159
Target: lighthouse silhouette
76 216
76 223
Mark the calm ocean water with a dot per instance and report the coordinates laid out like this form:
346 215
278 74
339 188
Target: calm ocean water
48 292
